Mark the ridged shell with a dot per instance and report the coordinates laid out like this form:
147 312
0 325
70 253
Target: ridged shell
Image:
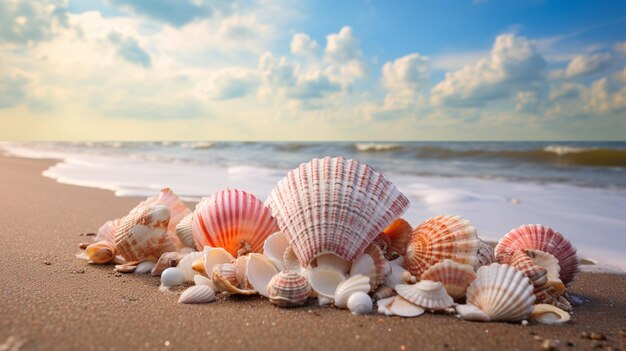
502 292
178 211
455 277
290 261
167 260
399 306
274 249
350 286
325 280
334 205
548 314
224 277
440 238
101 252
485 255
241 265
359 303
372 264
108 230
232 219
142 235
185 265
538 237
184 232
399 233
197 294
260 270
427 294
288 289
519 259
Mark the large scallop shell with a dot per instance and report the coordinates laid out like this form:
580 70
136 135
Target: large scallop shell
520 260
232 219
427 294
334 205
178 211
142 235
372 264
107 230
184 232
440 238
538 237
399 233
455 277
350 286
288 288
502 292
197 294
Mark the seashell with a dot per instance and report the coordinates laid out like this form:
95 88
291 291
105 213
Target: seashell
184 232
101 252
399 233
333 261
274 249
485 255
241 265
172 277
399 306
108 230
197 294
334 206
325 280
142 235
202 280
259 272
126 267
178 211
502 292
548 314
167 260
440 238
383 292
359 303
288 289
232 219
213 256
224 277
186 265
551 265
538 237
427 294
350 286
455 277
398 275
324 300
290 261
525 264
372 264
470 312
547 294
144 267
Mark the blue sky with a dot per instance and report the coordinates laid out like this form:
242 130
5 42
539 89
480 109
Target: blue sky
312 70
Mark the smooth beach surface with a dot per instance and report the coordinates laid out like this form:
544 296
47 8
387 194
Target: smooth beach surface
53 301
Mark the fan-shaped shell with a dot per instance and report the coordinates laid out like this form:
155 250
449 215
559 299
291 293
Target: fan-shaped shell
325 280
288 288
197 294
232 219
101 252
184 232
440 238
259 272
108 230
485 255
142 234
427 294
537 275
334 205
502 292
350 286
274 249
548 314
455 277
538 237
372 264
399 233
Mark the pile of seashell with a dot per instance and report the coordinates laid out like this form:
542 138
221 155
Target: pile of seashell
331 230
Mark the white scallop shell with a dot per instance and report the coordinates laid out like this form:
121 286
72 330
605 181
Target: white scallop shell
350 286
197 294
185 265
359 303
274 249
334 205
172 277
427 294
399 306
325 280
548 314
202 280
259 272
502 292
184 231
454 276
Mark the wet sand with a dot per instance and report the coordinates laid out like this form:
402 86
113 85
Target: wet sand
52 301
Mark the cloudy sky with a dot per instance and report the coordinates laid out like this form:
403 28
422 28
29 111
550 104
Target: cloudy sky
312 70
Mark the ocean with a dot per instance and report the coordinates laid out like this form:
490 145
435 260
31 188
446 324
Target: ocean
578 188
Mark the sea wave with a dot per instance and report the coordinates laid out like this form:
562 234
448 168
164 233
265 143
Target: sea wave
198 145
377 147
564 149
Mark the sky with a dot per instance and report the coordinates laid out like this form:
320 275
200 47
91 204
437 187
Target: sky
312 70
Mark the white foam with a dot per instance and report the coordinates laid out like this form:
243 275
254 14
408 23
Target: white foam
364 147
563 150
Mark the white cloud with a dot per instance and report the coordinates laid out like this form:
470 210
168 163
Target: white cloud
582 65
342 46
565 91
24 21
403 80
527 101
514 65
303 45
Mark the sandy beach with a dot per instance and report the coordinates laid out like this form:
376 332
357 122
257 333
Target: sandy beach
53 301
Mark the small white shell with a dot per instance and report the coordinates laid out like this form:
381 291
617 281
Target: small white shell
349 287
399 306
172 277
428 294
259 272
144 267
398 275
470 312
372 264
215 255
197 294
360 303
202 280
184 232
548 314
325 280
274 249
333 261
185 265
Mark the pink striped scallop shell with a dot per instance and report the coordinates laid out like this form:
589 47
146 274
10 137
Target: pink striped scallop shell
232 219
334 206
538 237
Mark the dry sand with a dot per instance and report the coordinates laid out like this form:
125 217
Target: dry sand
52 301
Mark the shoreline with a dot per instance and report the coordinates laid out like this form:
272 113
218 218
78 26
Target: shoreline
56 301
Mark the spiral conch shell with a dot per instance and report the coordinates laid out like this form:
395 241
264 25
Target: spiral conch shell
142 234
440 238
334 206
455 277
288 289
232 219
